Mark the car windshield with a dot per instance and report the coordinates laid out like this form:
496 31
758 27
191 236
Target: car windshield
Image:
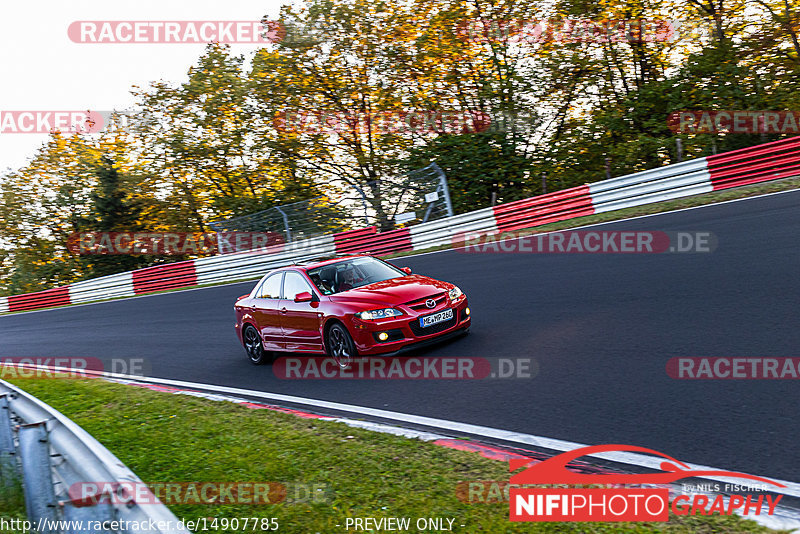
350 274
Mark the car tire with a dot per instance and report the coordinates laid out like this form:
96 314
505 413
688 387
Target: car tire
340 345
254 347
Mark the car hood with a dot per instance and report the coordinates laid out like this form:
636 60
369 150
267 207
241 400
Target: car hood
393 291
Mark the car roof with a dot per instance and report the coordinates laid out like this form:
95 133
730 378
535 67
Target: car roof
329 261
314 263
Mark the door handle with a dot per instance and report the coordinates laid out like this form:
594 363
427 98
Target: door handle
283 310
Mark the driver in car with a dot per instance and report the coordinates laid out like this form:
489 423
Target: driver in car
349 279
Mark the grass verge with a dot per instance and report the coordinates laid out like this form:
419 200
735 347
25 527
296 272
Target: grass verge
12 502
171 438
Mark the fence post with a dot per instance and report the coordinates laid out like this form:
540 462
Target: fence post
363 201
40 499
445 190
285 224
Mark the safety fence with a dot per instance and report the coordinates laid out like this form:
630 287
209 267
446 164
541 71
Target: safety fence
49 454
760 163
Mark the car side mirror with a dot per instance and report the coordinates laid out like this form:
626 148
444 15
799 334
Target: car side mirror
305 296
406 270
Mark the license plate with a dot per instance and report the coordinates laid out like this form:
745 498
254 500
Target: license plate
435 318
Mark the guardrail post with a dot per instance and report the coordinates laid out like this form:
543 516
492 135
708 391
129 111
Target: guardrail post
87 517
40 499
6 432
8 466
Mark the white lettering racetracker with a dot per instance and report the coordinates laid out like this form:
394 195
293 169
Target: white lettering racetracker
398 368
67 122
586 242
184 31
571 242
738 368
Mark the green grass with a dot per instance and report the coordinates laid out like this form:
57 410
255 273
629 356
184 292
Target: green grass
12 501
167 438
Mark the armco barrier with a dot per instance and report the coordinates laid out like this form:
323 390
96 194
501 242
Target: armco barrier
229 267
50 453
108 287
761 163
58 296
770 161
368 240
168 276
443 231
655 185
544 209
351 240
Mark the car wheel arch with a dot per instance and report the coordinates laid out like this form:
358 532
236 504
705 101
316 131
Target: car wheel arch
326 327
329 322
247 323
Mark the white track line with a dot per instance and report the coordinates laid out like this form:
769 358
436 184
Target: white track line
627 458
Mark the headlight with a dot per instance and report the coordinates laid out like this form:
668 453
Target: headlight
378 314
455 293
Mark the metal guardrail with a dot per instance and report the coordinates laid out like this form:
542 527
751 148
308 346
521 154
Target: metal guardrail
770 161
654 185
49 453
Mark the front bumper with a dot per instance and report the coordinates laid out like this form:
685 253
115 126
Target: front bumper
404 331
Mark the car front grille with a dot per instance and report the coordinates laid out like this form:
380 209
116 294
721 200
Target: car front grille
433 329
419 304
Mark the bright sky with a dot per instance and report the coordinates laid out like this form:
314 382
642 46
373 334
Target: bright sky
44 70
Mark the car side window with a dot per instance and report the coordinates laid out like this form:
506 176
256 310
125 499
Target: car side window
271 288
294 284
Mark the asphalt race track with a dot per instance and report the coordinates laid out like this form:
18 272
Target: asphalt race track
600 326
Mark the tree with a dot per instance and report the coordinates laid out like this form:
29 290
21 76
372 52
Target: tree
207 149
40 206
475 166
112 211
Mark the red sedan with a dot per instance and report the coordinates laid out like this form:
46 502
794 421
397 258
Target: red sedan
344 307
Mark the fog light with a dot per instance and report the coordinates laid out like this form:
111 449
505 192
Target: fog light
466 311
383 336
